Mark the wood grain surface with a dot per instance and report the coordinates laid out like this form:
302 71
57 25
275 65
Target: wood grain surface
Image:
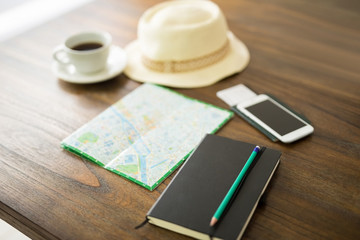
306 53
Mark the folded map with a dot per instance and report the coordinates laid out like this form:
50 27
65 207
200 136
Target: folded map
147 134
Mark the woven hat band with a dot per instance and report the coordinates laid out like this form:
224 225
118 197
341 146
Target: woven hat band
186 65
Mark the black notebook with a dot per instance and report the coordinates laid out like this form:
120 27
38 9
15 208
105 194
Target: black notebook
191 199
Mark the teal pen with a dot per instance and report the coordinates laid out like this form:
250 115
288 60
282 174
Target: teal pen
233 188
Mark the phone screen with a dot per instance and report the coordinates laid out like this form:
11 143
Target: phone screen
275 117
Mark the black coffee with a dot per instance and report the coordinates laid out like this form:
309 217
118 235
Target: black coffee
87 46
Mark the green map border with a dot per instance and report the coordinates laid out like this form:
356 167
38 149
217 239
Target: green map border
155 185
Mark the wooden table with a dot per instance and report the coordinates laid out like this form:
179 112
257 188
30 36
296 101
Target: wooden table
306 53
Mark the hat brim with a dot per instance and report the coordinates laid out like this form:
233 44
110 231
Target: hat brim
236 59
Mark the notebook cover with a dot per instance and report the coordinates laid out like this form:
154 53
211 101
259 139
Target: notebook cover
146 135
197 190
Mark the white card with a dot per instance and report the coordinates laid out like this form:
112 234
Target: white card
236 94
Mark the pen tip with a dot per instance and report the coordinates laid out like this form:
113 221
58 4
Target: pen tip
257 149
213 222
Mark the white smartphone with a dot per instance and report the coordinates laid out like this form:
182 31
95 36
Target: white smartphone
275 118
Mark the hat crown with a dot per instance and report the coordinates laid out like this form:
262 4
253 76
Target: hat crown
180 16
182 30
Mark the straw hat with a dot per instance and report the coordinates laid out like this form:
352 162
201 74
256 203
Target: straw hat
185 44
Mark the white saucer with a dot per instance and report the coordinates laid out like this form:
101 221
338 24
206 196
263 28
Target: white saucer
115 65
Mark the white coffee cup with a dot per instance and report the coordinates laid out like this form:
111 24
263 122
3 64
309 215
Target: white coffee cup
86 51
